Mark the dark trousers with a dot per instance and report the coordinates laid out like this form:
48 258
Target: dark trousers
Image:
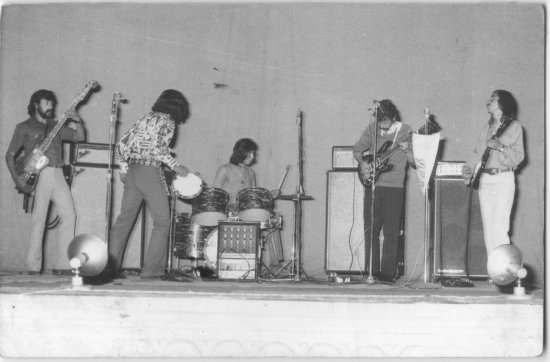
143 183
388 205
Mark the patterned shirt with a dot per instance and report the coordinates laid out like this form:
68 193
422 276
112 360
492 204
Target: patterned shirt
147 142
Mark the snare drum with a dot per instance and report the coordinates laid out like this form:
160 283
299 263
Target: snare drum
255 204
188 187
210 207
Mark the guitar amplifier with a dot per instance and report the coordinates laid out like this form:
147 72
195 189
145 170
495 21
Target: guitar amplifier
449 169
92 155
342 158
238 250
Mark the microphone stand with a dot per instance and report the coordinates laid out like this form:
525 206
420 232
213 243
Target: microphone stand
370 278
114 117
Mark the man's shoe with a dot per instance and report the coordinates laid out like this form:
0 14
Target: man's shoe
31 272
387 279
151 277
118 275
62 272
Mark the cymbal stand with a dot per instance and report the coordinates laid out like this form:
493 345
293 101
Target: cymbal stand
172 235
297 198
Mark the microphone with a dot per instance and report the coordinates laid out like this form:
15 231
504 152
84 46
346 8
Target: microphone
375 105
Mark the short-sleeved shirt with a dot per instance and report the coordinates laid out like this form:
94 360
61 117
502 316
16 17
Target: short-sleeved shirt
28 133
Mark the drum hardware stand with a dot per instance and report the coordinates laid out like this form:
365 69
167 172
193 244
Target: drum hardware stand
297 198
263 268
172 237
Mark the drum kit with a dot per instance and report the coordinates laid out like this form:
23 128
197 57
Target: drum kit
211 205
195 235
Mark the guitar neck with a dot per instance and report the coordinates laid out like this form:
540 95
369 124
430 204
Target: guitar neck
47 142
395 147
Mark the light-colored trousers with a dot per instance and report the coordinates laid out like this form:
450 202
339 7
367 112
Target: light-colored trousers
52 187
496 198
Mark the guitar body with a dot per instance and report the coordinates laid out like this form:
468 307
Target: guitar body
365 168
382 156
474 183
28 168
477 174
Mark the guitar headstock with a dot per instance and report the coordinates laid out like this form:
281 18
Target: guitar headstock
92 85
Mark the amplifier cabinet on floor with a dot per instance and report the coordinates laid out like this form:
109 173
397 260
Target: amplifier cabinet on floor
238 250
344 236
89 190
458 248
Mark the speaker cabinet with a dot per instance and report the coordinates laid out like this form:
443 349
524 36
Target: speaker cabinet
89 189
458 249
344 237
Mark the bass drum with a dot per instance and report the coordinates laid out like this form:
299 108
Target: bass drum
211 249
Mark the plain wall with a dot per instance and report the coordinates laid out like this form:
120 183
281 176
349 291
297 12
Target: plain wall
246 69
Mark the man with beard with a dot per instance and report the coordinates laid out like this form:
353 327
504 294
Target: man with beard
51 185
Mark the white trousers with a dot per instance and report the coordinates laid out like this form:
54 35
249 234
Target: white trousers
496 198
51 187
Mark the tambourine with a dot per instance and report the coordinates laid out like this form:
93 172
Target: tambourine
188 187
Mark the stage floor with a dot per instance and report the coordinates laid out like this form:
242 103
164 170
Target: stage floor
41 316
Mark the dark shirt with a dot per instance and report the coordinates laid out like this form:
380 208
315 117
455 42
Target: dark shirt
26 134
396 176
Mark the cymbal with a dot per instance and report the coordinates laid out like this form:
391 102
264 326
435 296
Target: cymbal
295 197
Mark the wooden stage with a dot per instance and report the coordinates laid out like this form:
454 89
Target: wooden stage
41 316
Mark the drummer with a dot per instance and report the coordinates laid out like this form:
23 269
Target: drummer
238 173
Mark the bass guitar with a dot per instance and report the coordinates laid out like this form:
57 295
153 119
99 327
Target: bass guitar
481 164
28 167
383 155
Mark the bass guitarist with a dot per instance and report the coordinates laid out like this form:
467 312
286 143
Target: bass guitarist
50 183
386 132
498 152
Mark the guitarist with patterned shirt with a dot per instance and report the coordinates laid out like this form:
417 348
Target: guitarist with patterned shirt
50 185
389 134
498 152
142 151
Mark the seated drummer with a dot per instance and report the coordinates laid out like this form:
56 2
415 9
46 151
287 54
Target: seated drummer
237 174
